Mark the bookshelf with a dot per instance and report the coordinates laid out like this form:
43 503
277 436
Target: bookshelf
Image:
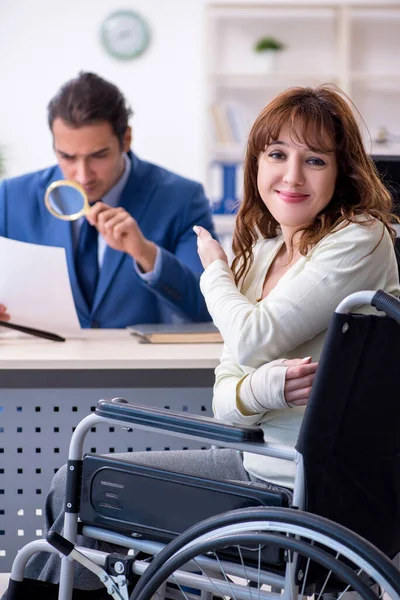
355 44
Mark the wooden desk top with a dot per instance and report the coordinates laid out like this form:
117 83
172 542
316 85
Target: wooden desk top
112 349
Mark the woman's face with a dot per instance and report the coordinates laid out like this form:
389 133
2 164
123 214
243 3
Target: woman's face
294 182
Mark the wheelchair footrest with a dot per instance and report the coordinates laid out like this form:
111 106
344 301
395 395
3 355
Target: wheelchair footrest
32 588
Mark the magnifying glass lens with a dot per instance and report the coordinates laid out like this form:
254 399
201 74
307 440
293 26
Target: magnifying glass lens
66 201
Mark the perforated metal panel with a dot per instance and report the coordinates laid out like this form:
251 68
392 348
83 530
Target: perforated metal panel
35 430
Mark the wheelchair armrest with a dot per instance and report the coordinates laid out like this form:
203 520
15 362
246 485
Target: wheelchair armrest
180 422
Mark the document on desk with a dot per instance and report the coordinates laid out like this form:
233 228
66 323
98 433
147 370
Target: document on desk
35 287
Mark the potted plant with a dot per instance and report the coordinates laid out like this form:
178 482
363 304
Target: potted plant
268 47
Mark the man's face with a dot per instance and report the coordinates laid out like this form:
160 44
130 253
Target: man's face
90 155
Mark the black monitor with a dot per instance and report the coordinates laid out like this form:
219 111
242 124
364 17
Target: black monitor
389 170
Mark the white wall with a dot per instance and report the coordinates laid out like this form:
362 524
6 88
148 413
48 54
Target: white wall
43 43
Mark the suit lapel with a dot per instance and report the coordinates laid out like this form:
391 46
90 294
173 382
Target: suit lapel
134 199
59 233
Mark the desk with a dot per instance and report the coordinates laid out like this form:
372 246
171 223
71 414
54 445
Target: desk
105 358
46 388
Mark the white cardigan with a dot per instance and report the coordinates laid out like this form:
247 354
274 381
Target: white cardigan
290 322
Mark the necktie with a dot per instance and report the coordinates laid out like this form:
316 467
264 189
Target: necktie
86 261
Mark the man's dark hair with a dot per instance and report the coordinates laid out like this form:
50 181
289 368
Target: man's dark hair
88 99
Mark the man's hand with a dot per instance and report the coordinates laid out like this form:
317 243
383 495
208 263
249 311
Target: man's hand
121 232
4 316
299 379
208 249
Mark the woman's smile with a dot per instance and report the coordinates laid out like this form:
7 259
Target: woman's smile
292 197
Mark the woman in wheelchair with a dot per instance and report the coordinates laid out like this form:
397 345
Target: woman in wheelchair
313 227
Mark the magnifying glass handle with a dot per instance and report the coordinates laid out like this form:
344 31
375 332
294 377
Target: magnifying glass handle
37 332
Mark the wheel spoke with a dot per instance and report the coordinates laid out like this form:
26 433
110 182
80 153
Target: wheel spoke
245 571
225 575
332 561
327 579
213 581
305 575
348 587
182 591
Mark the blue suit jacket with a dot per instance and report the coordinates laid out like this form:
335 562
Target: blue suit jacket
165 206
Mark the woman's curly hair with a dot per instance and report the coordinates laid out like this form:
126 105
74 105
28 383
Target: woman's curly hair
323 119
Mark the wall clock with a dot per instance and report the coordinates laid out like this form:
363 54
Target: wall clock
125 34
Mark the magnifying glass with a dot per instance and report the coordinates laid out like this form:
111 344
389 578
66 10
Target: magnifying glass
66 200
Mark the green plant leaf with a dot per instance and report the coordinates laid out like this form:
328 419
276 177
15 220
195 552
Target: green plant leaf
268 43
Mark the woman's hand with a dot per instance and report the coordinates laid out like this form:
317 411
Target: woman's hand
299 379
209 249
275 385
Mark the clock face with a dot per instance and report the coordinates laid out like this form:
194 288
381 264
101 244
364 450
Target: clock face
125 34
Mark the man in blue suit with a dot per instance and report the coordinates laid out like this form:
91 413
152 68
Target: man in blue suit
138 262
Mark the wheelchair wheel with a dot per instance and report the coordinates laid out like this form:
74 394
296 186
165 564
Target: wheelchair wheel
313 557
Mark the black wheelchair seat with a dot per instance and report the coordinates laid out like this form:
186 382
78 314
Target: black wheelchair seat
137 499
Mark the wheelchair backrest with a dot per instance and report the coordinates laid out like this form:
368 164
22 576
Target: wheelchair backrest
350 435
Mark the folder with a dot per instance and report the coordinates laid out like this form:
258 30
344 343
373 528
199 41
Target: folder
182 333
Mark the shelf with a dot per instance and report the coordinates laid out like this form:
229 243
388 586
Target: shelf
230 153
270 80
277 10
376 79
354 44
289 4
224 224
380 12
389 149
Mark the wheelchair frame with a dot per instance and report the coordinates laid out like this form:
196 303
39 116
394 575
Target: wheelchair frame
188 427
76 456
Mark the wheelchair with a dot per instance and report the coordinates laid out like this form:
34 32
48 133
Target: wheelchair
333 537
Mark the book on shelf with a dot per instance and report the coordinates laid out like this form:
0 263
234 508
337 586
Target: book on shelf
239 120
225 186
181 333
231 123
222 131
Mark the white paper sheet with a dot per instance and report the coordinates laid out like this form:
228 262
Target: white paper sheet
35 287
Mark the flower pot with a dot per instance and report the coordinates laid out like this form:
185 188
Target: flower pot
265 62
270 60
